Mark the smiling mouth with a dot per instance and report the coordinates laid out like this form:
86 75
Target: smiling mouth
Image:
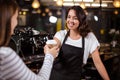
71 25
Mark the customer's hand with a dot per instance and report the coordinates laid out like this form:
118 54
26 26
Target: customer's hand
53 51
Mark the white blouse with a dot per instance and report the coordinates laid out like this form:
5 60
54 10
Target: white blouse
91 42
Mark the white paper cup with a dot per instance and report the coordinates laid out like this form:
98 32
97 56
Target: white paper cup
51 43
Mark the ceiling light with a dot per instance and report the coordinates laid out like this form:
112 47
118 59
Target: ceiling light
116 12
43 14
59 12
68 4
35 4
107 1
50 13
116 3
59 2
67 0
87 0
82 4
76 0
98 5
47 10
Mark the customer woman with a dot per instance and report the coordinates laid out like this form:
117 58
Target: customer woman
77 42
11 65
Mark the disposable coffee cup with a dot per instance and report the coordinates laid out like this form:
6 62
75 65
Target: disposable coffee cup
51 43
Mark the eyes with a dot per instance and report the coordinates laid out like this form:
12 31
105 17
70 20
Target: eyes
72 17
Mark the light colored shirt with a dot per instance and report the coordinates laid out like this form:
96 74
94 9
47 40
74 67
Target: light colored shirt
13 68
91 42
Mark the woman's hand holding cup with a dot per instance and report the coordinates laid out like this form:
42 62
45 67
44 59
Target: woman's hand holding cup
51 48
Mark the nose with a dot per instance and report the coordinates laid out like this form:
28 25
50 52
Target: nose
71 19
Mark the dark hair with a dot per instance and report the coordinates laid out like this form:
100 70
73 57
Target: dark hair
83 28
7 10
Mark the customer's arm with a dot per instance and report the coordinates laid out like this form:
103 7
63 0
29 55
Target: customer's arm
13 68
46 67
50 54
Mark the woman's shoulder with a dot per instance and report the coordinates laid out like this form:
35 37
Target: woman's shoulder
91 38
62 32
90 35
4 50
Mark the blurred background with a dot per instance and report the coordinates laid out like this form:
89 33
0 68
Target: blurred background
39 20
48 15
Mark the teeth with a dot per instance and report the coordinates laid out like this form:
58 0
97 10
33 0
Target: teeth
71 24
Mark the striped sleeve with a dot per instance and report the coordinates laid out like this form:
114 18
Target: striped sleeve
13 68
46 68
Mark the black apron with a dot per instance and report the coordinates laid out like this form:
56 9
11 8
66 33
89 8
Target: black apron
68 64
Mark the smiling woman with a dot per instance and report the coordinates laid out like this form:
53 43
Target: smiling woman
79 38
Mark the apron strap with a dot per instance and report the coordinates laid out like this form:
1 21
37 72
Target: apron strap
83 43
66 36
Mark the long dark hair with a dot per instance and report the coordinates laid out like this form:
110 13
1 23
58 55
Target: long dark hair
7 10
83 28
